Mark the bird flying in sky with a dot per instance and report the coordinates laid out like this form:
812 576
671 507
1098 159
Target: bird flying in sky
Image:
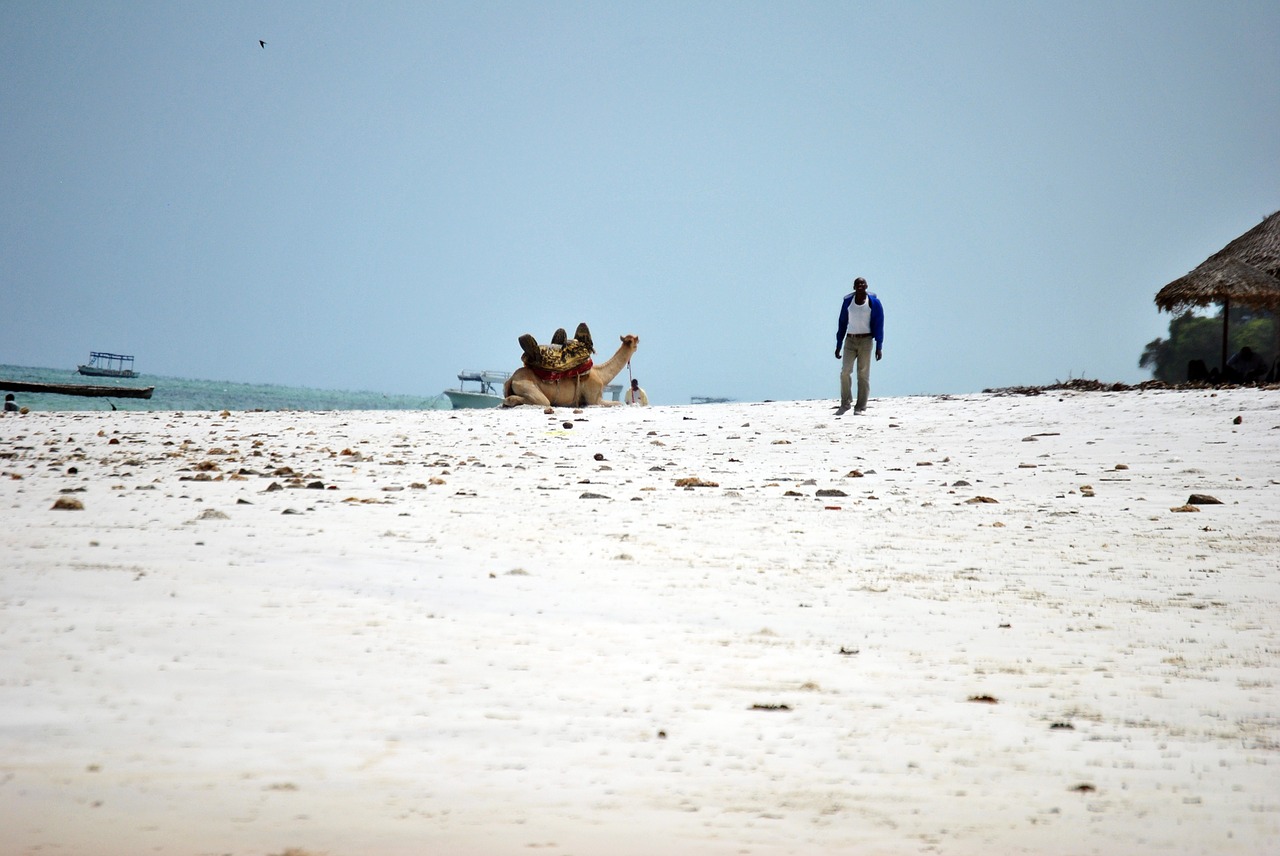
261 42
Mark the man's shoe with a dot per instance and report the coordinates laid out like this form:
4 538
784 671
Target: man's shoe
842 410
858 411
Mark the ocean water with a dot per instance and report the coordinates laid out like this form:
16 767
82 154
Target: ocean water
175 393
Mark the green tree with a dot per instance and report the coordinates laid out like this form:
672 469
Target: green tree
1197 337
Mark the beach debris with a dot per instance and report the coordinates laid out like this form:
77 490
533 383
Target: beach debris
1084 788
68 503
1062 726
977 500
599 456
984 699
1187 507
1122 466
1238 420
567 425
694 481
1203 499
1080 385
1086 490
271 488
831 491
853 474
1027 466
590 495
848 652
212 514
771 707
960 483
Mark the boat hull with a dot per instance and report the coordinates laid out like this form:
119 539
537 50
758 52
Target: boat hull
462 400
78 389
93 371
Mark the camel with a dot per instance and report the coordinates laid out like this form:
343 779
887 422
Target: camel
525 387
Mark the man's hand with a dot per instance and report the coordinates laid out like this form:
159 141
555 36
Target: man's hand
837 353
878 353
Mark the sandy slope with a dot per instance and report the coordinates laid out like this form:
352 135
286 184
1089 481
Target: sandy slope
513 632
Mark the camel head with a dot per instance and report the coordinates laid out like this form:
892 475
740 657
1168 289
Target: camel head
630 341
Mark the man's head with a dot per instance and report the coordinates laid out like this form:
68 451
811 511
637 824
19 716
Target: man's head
860 284
635 384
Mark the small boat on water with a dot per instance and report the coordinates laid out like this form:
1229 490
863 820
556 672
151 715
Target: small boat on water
103 364
487 391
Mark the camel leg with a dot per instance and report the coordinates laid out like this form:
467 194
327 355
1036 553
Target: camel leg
525 392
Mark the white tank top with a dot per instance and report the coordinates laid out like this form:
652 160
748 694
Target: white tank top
859 317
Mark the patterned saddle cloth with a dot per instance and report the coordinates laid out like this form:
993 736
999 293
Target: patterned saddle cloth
571 358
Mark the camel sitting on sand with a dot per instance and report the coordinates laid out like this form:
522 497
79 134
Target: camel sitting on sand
525 386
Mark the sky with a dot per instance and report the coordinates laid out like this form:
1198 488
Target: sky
386 194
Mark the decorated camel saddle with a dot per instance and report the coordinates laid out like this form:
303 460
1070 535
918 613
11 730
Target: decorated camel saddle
563 358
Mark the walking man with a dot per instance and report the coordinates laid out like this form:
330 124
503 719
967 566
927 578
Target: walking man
861 323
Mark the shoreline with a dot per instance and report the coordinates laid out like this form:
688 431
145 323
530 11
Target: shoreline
961 623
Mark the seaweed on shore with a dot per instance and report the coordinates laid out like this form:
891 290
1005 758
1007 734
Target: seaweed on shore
1086 385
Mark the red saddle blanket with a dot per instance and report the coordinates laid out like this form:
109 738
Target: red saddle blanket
549 375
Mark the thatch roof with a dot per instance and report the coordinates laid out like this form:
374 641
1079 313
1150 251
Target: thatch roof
1259 247
1245 271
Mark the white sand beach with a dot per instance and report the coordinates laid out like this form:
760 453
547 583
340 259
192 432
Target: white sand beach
955 625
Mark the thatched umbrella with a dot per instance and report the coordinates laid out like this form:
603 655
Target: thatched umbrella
1246 271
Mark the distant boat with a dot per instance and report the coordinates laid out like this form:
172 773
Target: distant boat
708 399
102 364
487 392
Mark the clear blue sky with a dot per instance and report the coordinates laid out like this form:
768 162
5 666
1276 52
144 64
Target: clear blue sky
388 193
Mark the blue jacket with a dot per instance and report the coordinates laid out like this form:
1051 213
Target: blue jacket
877 320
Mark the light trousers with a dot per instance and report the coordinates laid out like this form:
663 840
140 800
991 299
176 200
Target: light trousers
856 348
